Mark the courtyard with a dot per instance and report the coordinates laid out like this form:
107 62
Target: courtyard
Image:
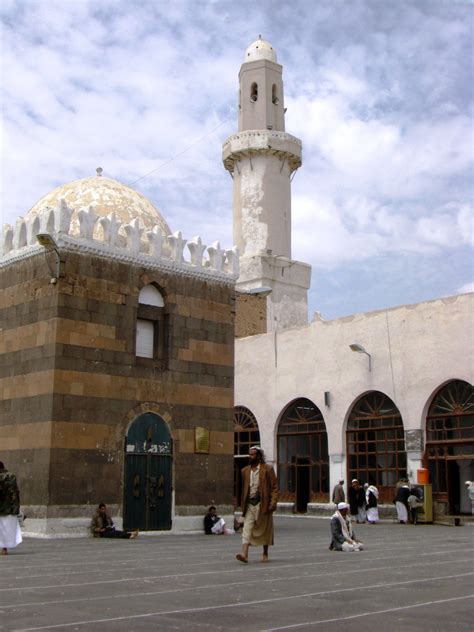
408 578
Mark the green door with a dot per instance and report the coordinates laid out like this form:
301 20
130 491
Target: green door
147 489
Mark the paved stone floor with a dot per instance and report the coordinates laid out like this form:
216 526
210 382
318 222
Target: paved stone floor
408 578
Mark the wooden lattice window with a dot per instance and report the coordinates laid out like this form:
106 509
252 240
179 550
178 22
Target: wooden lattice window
376 444
449 433
246 435
246 432
303 452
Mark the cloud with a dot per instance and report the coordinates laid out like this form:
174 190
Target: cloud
467 287
383 110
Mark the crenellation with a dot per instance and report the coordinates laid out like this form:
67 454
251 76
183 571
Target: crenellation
19 234
32 229
196 248
62 217
176 246
7 240
216 256
87 220
133 234
165 252
110 226
155 239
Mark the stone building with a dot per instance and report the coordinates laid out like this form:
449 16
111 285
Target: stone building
117 362
117 370
321 411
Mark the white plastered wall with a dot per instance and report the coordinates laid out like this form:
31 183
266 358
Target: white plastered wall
415 350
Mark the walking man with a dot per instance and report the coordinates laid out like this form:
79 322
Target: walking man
259 501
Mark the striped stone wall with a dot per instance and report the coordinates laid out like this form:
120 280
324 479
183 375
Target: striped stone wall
71 383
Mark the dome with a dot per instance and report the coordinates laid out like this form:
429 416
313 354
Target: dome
106 196
260 49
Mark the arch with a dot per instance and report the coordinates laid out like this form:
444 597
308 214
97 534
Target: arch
254 92
148 474
302 454
449 452
275 99
375 443
246 434
149 295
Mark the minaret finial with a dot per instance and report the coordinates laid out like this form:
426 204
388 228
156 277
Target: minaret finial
99 171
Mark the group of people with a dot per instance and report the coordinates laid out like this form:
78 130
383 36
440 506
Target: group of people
259 501
406 502
363 500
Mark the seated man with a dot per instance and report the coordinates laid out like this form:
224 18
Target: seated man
213 525
102 526
343 537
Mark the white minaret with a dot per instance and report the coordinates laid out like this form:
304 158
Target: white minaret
261 158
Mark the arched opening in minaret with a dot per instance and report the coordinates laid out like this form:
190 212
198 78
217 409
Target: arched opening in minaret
253 92
275 99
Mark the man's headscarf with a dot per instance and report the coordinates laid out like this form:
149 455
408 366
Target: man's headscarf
260 451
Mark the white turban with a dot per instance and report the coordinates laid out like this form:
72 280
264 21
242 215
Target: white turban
342 506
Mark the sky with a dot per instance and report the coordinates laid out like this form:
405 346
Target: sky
379 92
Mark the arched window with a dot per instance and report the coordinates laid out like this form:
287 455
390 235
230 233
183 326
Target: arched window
150 323
275 99
254 92
376 444
449 452
303 462
246 435
246 432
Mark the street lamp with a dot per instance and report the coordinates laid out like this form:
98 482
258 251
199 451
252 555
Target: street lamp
360 349
48 242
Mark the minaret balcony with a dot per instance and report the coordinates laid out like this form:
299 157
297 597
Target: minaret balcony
258 142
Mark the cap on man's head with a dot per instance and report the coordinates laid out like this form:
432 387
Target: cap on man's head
257 448
354 480
341 506
341 480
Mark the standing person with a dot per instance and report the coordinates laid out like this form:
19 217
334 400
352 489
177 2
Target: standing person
342 535
413 504
401 503
371 498
102 526
357 501
259 501
338 494
10 533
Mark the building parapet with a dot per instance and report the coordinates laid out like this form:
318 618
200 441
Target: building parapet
100 236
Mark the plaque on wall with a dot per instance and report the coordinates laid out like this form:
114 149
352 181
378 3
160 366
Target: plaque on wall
201 440
413 440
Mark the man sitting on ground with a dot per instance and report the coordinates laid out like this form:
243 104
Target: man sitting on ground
102 526
343 537
213 525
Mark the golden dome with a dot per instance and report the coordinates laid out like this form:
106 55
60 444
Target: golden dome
106 196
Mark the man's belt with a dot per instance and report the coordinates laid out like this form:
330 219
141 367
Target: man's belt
254 500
